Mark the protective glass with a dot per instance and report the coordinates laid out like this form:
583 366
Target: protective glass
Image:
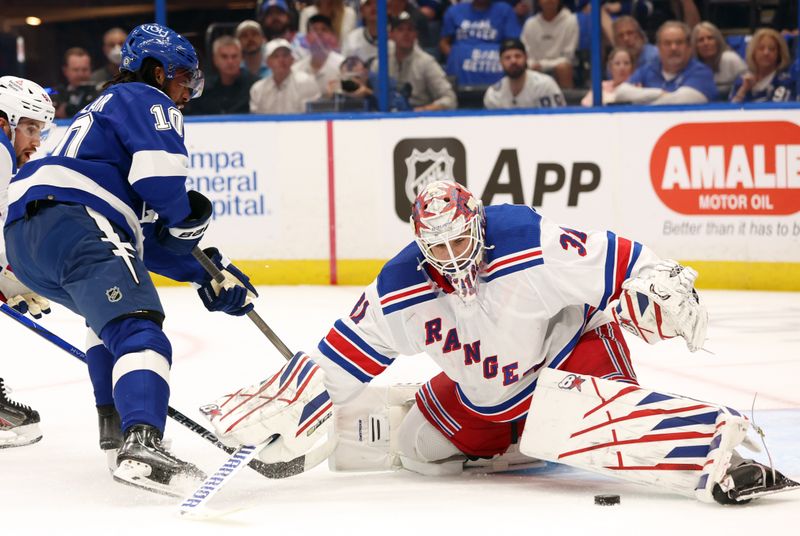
34 130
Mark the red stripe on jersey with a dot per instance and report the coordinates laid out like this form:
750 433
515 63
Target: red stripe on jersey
623 257
353 353
499 264
410 292
659 467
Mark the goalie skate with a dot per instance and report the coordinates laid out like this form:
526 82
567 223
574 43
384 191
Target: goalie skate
749 480
146 464
19 424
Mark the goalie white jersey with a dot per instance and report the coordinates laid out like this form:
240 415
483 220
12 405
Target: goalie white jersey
541 287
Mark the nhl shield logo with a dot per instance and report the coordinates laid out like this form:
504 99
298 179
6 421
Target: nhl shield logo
419 162
436 166
114 294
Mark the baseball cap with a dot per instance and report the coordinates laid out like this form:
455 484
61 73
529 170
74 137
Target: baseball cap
246 25
403 17
280 4
276 44
510 44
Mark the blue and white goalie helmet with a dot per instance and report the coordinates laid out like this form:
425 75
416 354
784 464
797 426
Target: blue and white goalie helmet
173 51
449 229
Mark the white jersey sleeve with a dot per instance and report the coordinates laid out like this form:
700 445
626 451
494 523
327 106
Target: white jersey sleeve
358 348
590 267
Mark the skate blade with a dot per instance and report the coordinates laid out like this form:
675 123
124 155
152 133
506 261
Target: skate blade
137 474
20 436
789 486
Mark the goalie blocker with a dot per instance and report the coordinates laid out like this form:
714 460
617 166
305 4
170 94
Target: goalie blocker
667 441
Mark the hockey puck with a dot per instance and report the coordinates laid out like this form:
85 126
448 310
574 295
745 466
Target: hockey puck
606 500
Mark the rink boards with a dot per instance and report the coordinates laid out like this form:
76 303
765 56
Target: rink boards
300 200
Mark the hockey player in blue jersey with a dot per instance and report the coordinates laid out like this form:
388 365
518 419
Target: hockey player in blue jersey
86 224
26 114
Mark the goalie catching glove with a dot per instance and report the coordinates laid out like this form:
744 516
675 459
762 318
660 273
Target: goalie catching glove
232 296
20 297
291 410
661 303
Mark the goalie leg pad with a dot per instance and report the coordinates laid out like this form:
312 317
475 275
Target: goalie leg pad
667 441
367 428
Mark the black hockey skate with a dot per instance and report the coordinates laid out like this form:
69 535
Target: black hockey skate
19 424
110 429
108 423
751 480
145 463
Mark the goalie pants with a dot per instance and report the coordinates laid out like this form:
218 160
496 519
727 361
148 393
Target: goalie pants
601 352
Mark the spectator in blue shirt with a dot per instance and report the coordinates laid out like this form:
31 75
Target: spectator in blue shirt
675 78
768 78
628 34
471 37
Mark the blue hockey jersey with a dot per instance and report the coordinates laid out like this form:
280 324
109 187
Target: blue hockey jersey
123 156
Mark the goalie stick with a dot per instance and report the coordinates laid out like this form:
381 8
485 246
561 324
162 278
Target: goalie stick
269 470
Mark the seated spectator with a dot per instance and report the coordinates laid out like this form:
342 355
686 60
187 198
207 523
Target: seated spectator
417 70
323 62
628 34
471 37
113 40
357 82
283 91
363 41
675 78
620 67
425 37
551 37
521 87
710 47
768 78
228 92
79 90
343 18
251 37
275 17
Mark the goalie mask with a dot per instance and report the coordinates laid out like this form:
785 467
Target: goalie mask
449 228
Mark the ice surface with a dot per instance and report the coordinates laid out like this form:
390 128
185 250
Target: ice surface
61 484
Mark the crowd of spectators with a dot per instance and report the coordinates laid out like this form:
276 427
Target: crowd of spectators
322 55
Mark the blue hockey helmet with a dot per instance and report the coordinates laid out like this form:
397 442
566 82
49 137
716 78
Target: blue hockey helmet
168 47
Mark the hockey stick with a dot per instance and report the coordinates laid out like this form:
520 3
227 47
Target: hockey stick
271 470
195 504
216 273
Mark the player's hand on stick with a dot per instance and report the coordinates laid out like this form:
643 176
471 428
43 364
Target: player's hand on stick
20 297
292 409
182 237
232 296
662 303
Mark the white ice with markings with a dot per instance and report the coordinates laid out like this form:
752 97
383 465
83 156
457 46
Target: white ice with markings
62 483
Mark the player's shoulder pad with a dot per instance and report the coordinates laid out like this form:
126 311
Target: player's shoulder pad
511 229
402 271
497 85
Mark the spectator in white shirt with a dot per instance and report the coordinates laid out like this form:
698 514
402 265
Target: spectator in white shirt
521 87
551 38
283 91
342 17
323 62
710 47
363 42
